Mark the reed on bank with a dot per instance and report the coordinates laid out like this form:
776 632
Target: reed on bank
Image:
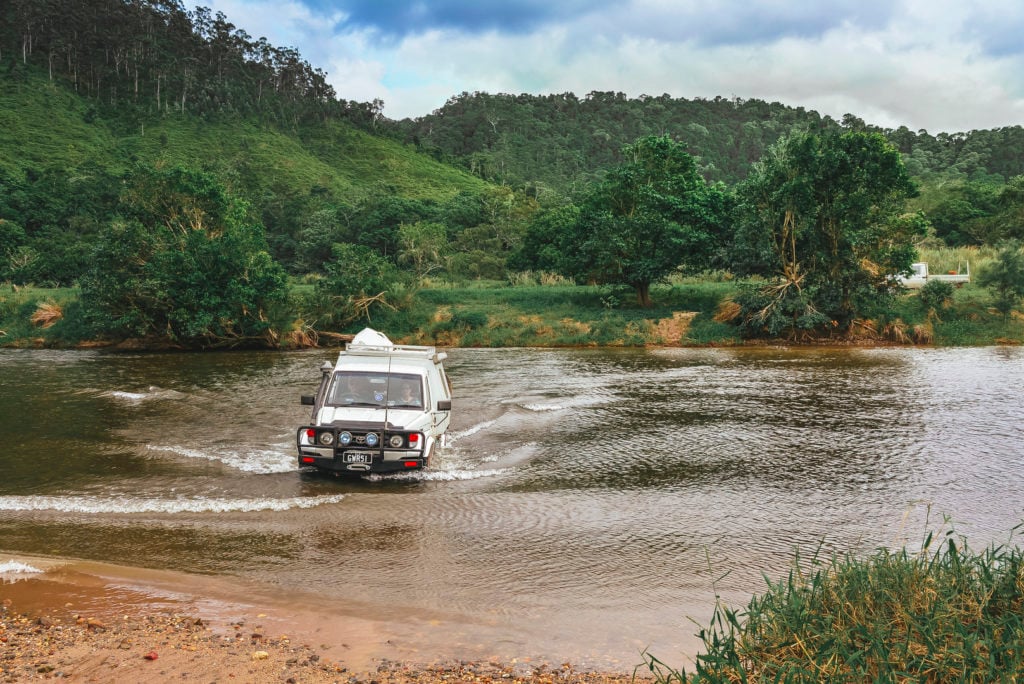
942 614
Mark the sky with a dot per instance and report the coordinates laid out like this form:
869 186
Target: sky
938 65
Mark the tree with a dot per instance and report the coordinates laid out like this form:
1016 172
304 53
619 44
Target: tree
645 220
548 244
820 216
190 266
357 282
422 246
1004 277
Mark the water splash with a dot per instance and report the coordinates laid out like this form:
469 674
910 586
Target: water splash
257 461
152 392
98 505
17 568
129 396
439 475
542 408
472 430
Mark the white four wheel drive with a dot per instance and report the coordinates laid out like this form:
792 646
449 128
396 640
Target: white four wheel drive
382 408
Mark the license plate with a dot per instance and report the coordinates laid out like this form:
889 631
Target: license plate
356 457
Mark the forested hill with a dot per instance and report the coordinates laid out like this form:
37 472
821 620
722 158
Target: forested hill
93 90
558 141
94 93
154 56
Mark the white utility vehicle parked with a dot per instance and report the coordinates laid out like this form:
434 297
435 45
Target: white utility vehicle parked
919 276
381 408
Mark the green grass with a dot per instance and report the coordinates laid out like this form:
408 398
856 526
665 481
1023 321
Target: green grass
43 125
967 319
944 259
944 614
492 314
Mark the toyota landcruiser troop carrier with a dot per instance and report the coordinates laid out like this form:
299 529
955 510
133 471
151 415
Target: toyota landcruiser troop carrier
381 408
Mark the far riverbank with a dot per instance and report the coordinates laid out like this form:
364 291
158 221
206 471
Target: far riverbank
491 314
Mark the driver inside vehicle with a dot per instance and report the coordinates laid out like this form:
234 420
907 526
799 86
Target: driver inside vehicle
353 389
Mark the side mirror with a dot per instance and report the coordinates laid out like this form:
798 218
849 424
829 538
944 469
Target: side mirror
444 405
307 400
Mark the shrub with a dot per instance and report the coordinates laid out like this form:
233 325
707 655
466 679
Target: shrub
944 614
936 295
1004 277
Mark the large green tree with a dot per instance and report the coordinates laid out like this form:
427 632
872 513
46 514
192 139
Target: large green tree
821 218
358 282
1004 276
189 265
645 220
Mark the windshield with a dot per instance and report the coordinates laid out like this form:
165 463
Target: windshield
375 390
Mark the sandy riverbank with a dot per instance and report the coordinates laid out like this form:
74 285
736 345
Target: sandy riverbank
93 622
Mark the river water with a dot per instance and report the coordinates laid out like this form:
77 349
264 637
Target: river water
590 504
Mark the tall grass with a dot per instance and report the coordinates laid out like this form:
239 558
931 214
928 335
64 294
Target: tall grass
31 313
944 259
943 614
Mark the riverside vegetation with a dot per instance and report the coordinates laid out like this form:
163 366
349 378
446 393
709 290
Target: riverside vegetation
544 309
944 614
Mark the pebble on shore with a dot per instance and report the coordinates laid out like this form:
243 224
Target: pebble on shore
159 646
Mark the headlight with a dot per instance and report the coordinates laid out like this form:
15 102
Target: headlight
326 438
344 438
396 441
372 439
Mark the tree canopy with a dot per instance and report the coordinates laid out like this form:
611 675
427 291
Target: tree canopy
644 221
190 266
821 217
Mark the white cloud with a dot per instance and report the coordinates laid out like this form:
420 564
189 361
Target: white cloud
935 64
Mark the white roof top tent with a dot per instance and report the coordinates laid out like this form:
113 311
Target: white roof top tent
370 342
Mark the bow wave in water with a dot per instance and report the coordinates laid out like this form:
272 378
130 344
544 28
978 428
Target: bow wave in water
260 461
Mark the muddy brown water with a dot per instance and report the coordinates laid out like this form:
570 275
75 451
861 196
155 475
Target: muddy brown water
591 503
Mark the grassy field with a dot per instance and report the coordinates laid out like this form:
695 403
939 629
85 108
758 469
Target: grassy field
957 258
492 314
44 125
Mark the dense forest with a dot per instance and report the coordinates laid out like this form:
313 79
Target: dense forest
558 140
154 56
141 139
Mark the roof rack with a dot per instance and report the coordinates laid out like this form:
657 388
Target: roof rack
370 342
407 350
